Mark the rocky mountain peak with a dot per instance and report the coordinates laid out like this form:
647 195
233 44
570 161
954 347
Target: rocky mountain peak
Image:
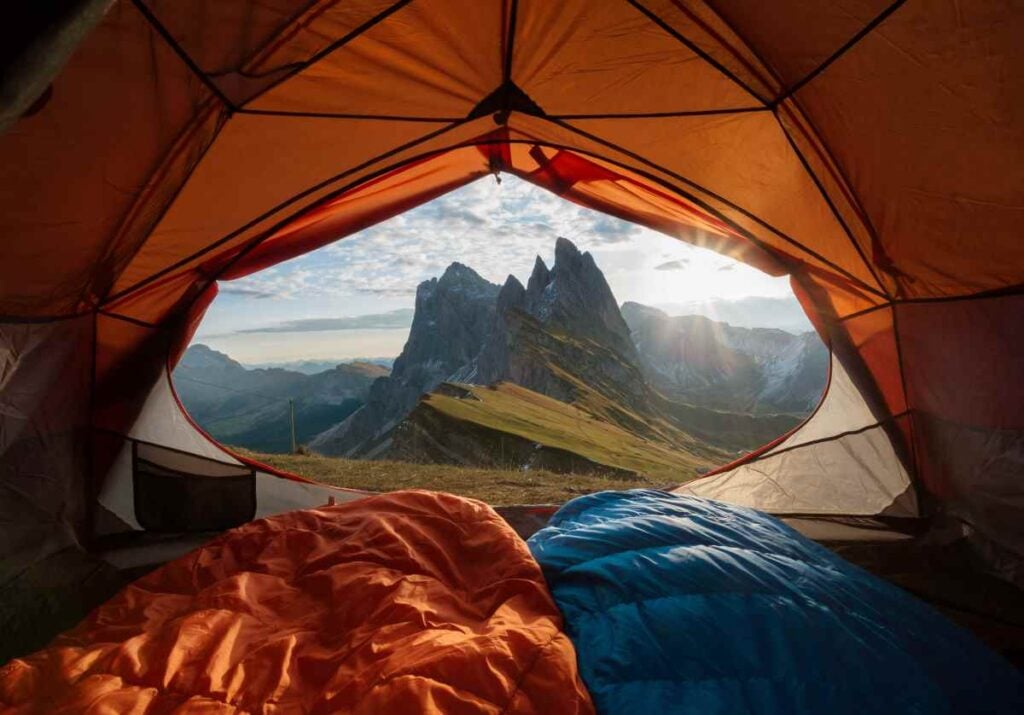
203 357
539 278
512 294
577 297
630 309
566 251
458 274
453 316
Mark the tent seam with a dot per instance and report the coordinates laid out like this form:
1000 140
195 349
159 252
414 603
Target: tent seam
344 115
838 53
656 115
176 150
831 204
329 49
690 45
510 41
161 30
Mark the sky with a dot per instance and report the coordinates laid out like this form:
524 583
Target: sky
354 298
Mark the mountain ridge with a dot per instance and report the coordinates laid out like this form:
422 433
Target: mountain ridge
249 407
562 336
717 365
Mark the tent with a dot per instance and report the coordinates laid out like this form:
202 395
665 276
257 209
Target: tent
871 150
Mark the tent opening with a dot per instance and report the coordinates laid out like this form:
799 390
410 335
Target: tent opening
554 348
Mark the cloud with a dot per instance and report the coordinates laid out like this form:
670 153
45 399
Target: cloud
390 292
401 318
606 229
248 292
678 265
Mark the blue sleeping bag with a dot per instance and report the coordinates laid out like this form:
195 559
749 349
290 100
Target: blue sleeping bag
685 605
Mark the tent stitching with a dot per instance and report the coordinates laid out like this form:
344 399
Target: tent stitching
858 370
839 52
653 17
846 187
289 27
155 23
127 319
179 146
337 44
510 41
507 67
657 115
820 147
830 438
256 241
343 115
993 294
757 72
831 204
673 189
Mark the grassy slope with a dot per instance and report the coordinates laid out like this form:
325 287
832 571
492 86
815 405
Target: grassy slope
494 486
515 410
642 411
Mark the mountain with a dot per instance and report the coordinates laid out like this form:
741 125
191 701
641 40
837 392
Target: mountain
312 367
563 329
558 346
714 364
249 408
750 312
452 318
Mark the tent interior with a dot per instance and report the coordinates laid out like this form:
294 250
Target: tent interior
870 150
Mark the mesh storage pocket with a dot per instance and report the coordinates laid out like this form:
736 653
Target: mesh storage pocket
179 492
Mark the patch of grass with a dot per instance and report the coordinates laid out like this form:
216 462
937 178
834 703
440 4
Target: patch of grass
509 408
494 486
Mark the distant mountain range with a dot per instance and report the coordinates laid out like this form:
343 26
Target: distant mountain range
551 375
312 367
750 312
714 364
249 408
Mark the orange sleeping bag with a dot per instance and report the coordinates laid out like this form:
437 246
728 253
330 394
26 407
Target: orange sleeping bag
402 603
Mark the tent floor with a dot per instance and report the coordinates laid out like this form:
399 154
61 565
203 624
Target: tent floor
54 595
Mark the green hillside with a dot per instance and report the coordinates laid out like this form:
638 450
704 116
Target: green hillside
506 423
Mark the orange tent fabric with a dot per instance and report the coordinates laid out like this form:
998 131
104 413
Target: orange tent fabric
870 149
410 602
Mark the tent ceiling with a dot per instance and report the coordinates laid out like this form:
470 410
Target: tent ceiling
791 122
870 149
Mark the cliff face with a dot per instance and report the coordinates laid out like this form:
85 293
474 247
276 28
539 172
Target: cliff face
563 329
453 316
